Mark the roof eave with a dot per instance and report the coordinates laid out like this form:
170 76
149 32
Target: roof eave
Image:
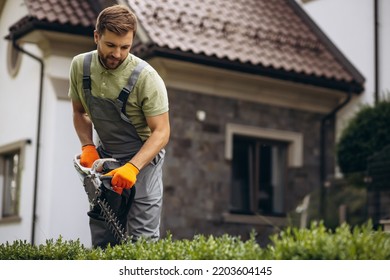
147 52
31 24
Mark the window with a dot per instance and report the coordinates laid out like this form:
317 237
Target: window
11 158
10 173
260 158
258 176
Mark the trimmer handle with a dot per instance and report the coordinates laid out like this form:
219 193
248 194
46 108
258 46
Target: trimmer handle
106 181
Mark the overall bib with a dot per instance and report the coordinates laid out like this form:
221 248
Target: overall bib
119 140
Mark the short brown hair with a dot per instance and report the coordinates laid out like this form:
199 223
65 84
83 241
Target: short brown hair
118 19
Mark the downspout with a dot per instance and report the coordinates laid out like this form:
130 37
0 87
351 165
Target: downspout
38 137
323 170
376 51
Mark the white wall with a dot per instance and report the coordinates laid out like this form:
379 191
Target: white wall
18 118
62 203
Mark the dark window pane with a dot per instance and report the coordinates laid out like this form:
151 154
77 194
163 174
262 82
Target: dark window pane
258 176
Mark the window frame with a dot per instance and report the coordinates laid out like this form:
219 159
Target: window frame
294 142
17 147
294 139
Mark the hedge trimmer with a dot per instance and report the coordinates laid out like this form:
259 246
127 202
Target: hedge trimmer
101 195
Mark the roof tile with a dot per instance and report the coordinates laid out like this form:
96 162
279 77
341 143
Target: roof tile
261 32
63 12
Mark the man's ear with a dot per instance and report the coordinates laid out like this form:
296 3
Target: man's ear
95 37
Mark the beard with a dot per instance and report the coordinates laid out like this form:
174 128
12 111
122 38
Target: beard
109 62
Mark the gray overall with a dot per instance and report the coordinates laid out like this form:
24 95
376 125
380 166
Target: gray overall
119 140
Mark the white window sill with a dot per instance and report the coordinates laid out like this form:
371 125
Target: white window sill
9 220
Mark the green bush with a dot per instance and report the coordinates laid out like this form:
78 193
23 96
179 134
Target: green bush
367 133
320 243
317 242
200 248
58 250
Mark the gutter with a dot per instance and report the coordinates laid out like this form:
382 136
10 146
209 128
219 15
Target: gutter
376 51
323 175
38 137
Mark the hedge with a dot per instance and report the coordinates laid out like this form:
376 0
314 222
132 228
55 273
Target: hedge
316 242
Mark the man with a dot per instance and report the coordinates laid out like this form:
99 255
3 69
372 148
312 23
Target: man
125 101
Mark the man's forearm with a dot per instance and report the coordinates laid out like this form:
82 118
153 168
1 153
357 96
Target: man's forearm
150 149
83 127
159 125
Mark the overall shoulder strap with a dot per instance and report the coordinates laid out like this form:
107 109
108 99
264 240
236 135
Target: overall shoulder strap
125 92
87 71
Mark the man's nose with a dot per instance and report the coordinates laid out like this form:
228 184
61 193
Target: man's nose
116 53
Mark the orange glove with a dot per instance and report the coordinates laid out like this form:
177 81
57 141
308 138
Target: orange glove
88 155
124 177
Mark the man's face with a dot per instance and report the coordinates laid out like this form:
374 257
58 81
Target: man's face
112 48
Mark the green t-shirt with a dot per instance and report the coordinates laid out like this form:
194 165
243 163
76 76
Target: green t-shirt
148 98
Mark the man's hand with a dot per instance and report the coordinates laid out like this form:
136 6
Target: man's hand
88 155
124 177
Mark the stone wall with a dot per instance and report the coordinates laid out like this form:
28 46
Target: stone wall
197 175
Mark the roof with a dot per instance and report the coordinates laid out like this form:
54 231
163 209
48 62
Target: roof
70 16
270 37
266 37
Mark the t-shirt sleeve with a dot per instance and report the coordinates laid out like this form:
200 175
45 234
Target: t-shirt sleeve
154 96
73 83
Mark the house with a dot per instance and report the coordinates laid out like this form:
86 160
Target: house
254 87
